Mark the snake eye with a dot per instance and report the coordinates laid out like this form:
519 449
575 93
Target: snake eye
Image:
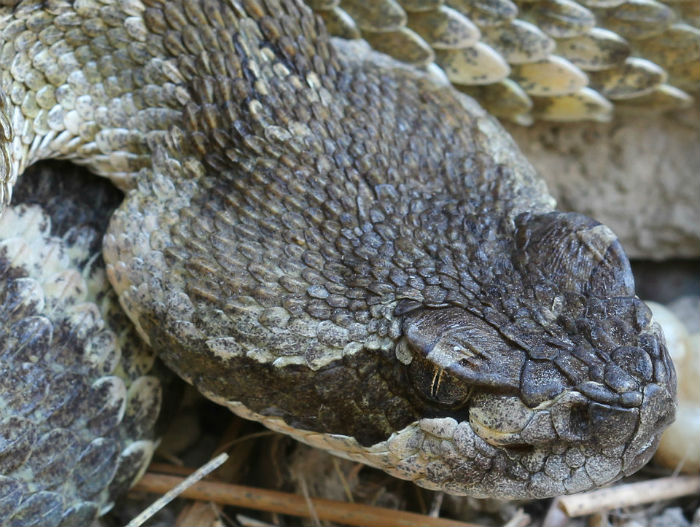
436 385
448 352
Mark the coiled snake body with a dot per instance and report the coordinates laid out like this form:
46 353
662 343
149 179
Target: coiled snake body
338 246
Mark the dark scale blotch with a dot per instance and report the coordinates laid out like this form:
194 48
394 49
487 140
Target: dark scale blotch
60 459
365 395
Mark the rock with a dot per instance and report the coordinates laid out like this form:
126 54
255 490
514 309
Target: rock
686 308
637 174
680 444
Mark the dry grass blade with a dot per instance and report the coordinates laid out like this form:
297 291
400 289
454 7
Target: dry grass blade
177 489
286 503
208 514
629 494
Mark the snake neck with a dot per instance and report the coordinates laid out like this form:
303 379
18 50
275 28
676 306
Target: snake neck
260 82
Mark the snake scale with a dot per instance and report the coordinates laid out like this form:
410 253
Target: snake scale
320 238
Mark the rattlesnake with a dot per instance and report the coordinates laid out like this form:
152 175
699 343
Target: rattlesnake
340 246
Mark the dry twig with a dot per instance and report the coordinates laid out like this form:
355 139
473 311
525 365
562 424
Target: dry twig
206 514
174 491
629 494
292 504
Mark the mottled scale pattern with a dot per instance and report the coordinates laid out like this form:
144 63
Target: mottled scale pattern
556 60
341 245
351 252
77 401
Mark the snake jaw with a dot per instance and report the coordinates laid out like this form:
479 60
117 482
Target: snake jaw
501 420
572 419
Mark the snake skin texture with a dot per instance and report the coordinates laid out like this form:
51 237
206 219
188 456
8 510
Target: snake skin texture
78 402
340 246
555 60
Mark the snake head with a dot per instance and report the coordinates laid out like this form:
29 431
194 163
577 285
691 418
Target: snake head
568 380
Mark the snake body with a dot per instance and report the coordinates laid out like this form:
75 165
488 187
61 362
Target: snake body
340 246
79 394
